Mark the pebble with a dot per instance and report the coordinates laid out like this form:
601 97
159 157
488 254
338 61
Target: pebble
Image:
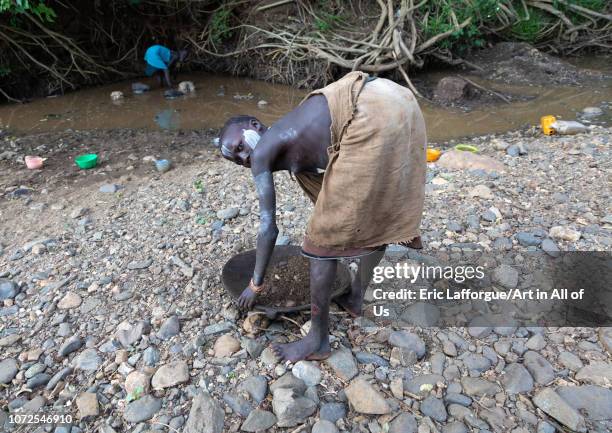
324 426
8 370
599 373
528 239
403 423
434 407
570 360
592 111
332 412
506 276
256 387
225 346
564 233
87 403
408 341
343 364
291 409
481 191
205 416
516 379
238 404
142 409
150 356
110 188
70 345
169 328
69 301
228 213
308 372
541 370
595 402
137 383
364 398
550 248
258 420
88 360
371 358
170 375
8 289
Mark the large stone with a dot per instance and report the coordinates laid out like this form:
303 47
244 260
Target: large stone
87 403
291 409
205 416
258 420
364 398
460 160
170 375
225 346
238 404
599 373
551 403
564 233
70 300
142 409
308 372
70 345
516 379
343 364
228 213
423 384
128 334
289 381
8 370
570 360
408 340
453 89
332 412
481 191
595 402
323 426
539 367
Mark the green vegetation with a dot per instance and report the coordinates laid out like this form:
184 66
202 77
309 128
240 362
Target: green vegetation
40 9
220 28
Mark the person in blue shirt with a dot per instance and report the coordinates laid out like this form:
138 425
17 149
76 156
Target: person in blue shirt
160 60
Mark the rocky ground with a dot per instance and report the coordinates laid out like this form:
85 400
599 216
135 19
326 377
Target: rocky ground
112 309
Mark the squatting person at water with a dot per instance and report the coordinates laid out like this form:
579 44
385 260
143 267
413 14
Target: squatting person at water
357 149
161 61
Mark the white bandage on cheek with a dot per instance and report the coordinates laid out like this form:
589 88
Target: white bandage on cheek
251 137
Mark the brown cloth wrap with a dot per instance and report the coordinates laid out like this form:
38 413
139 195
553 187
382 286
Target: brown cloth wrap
372 191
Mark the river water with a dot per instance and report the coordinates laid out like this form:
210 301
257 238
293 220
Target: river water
219 97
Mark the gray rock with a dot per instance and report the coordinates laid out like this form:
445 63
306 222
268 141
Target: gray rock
415 385
421 314
34 370
544 427
454 427
142 409
308 372
434 407
8 289
571 361
289 409
479 327
136 265
8 370
132 335
39 380
541 370
110 188
218 328
170 375
516 150
88 360
288 381
60 375
489 216
150 356
599 373
516 379
595 402
283 240
473 222
502 244
528 239
403 423
506 276
70 345
343 364
407 340
371 358
476 363
454 226
228 213
323 426
537 342
552 404
456 398
364 398
205 416
238 404
256 387
258 420
592 111
475 386
332 411
550 247
169 328
253 347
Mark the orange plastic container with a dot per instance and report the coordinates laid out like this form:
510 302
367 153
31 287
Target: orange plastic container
546 121
433 155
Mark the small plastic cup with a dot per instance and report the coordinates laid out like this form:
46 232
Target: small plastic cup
87 161
33 162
